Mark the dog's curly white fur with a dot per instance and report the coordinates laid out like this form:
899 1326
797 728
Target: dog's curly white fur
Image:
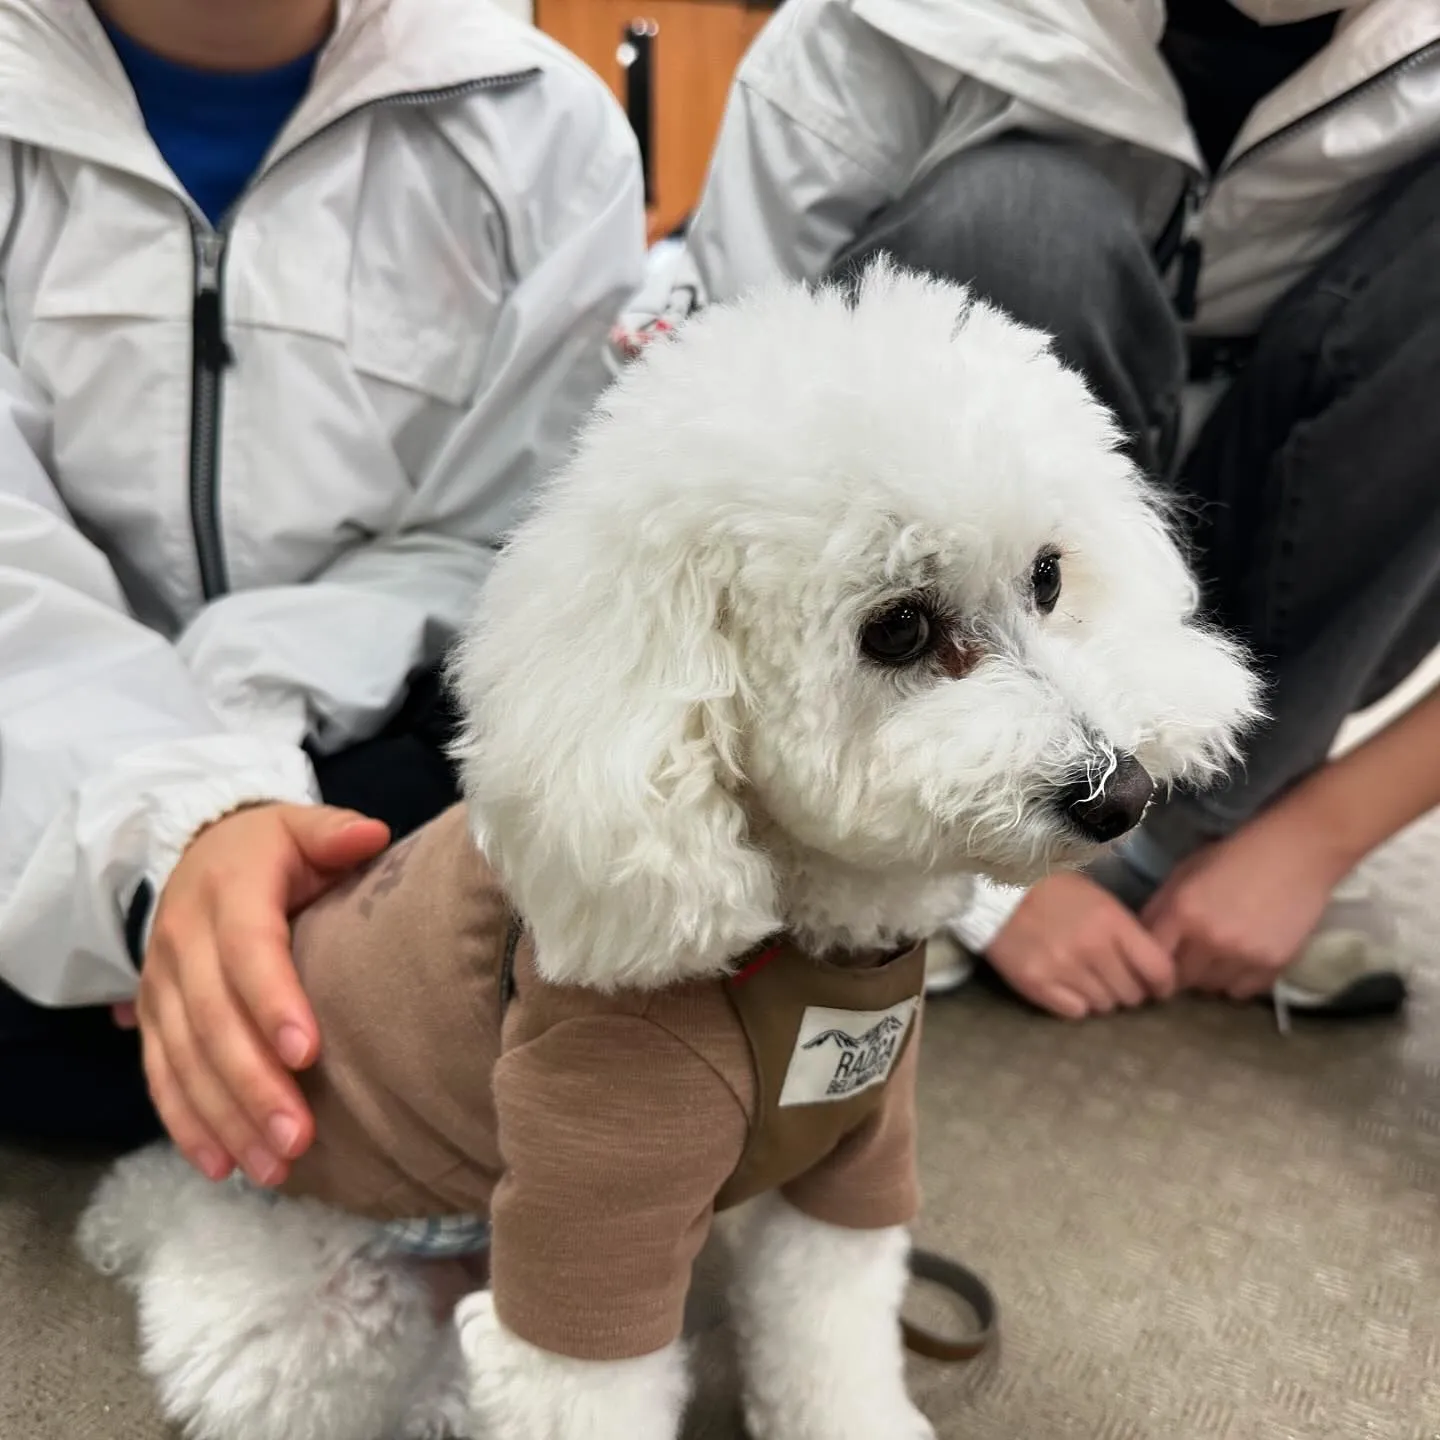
676 744
268 1320
668 714
519 1392
815 1310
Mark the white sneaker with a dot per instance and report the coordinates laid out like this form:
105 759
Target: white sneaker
948 965
1350 967
950 955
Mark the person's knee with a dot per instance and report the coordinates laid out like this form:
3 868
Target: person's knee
1032 226
1035 229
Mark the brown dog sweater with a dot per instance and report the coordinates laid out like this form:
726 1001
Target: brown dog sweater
599 1132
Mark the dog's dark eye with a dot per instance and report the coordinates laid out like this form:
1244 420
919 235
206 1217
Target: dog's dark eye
1045 581
899 635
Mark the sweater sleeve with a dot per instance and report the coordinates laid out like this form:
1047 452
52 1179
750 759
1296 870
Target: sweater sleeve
615 1138
870 1181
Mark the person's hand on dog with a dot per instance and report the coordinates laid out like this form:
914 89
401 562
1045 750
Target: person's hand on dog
1073 949
1236 913
222 1016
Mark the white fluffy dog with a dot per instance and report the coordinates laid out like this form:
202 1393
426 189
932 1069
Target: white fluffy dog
843 599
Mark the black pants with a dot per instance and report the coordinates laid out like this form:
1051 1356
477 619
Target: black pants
1315 480
73 1076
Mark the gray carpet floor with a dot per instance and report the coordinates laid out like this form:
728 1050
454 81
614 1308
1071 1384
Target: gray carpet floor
1197 1228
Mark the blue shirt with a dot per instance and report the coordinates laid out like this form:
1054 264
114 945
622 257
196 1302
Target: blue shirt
212 128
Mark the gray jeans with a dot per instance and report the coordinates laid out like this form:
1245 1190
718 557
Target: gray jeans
1316 482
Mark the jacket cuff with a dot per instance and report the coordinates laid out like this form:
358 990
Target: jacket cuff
987 914
188 810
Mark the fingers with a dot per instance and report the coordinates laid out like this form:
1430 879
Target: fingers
256 957
225 1085
235 1082
1074 950
1204 962
1088 985
192 1137
1224 971
1195 965
1068 1004
1107 982
1202 958
254 938
198 1106
222 1010
1059 998
1231 973
1072 990
1124 986
256 963
1150 962
124 1016
1162 922
1168 926
1250 985
1122 972
1116 965
331 840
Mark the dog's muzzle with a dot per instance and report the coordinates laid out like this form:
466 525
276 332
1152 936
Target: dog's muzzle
1106 811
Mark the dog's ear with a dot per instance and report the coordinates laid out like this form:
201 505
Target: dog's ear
602 703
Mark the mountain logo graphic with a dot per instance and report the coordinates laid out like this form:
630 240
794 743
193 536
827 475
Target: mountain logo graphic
846 1041
863 1059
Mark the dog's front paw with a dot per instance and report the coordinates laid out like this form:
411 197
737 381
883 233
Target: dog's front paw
835 1416
440 1406
445 1417
521 1392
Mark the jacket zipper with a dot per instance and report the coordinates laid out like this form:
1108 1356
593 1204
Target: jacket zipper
1191 251
211 355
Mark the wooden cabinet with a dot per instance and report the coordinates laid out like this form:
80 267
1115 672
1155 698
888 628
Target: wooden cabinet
670 62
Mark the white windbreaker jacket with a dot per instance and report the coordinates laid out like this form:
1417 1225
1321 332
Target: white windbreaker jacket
250 478
841 104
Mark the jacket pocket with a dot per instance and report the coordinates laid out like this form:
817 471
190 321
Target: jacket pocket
430 268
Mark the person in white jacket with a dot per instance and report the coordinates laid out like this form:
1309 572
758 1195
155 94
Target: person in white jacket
1241 195
298 300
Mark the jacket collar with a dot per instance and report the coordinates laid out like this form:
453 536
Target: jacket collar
62 88
1098 64
1373 37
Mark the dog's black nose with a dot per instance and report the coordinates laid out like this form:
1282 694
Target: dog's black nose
1107 810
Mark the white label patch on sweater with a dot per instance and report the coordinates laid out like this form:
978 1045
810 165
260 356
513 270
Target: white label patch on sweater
839 1053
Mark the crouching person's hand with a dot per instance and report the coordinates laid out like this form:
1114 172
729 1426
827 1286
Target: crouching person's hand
1073 949
222 1015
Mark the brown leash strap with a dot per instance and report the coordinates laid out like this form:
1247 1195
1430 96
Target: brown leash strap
932 1269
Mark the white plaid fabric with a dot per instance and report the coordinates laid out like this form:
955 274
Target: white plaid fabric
440 1237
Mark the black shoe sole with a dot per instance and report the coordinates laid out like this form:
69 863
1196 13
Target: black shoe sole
1383 993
